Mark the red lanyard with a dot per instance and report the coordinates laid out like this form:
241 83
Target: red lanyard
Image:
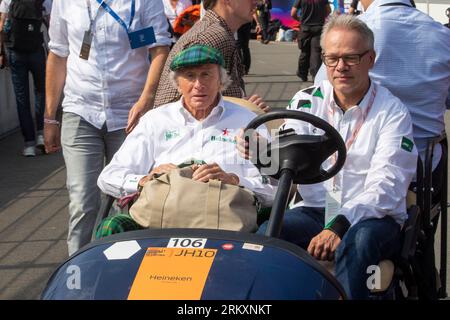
359 124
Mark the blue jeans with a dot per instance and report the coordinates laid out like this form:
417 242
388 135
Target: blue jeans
21 64
86 149
365 244
300 225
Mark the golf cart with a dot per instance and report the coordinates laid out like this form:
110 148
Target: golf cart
201 264
205 264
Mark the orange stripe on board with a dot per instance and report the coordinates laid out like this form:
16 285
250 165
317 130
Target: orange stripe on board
172 274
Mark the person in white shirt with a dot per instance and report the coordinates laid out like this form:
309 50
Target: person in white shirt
173 8
355 217
413 62
99 55
201 126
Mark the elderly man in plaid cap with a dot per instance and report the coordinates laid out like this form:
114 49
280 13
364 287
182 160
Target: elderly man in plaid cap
216 29
198 128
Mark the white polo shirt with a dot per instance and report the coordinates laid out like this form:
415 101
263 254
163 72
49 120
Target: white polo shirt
106 86
380 162
170 134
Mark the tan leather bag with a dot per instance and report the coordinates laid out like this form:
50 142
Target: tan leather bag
174 200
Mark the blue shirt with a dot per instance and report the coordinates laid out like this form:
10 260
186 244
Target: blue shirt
413 62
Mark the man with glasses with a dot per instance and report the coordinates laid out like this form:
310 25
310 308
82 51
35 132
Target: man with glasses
413 59
354 218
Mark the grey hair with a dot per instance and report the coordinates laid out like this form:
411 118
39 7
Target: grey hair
225 79
348 22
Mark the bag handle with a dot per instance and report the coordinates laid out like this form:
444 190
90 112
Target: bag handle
161 195
159 200
212 204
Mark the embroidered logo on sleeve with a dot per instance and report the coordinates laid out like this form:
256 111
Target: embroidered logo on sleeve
407 144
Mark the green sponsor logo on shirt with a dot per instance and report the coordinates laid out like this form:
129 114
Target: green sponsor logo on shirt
407 144
171 134
223 139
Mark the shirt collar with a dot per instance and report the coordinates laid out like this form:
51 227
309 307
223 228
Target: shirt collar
378 3
186 118
362 105
212 16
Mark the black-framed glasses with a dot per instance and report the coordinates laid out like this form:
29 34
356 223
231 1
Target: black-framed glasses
350 60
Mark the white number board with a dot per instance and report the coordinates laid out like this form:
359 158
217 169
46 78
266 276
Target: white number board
196 243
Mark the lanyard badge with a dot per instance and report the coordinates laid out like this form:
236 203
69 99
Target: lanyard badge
138 38
333 203
333 200
88 36
86 45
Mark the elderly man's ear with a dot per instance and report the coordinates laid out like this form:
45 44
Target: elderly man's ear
372 56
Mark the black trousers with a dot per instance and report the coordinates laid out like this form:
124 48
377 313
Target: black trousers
264 19
310 55
243 44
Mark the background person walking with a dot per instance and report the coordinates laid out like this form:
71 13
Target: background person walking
22 45
312 18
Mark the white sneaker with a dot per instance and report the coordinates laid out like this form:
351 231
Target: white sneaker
40 143
29 151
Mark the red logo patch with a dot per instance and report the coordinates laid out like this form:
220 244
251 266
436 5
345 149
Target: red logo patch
227 246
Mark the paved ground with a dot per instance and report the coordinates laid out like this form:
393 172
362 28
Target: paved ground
34 201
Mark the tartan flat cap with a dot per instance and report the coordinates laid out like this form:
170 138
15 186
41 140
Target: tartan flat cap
197 55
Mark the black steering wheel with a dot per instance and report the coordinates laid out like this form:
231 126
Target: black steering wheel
302 154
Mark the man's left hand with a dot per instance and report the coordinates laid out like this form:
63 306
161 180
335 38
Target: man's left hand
206 172
324 245
136 112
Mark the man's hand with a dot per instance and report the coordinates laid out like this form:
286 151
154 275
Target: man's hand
258 29
244 147
147 99
324 245
52 138
259 102
206 172
164 168
136 112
